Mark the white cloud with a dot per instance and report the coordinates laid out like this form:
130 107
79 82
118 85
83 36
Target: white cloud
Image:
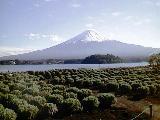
5 51
56 39
33 36
89 25
75 5
116 14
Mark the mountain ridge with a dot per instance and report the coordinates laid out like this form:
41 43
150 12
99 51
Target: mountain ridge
85 44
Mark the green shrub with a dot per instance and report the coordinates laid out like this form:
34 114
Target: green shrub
41 77
4 88
47 75
106 100
11 101
135 86
38 101
17 86
87 83
90 103
48 110
55 98
71 105
31 72
69 81
142 92
70 95
56 91
79 83
47 89
152 90
72 89
2 77
58 87
1 111
112 87
97 83
16 92
27 97
125 88
158 90
32 91
44 93
27 112
55 80
84 93
7 114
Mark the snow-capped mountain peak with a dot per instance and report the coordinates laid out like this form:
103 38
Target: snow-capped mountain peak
85 44
87 36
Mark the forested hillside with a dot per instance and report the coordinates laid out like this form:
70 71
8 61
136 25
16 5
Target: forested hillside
102 59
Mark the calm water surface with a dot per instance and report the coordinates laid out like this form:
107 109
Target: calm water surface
21 68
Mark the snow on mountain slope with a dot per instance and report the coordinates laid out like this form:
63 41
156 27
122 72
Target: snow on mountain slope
87 36
85 44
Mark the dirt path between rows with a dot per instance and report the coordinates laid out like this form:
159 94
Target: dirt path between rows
139 106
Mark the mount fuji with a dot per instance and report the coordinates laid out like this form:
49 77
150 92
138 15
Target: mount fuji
85 44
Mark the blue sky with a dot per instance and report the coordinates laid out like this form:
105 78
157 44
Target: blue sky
27 25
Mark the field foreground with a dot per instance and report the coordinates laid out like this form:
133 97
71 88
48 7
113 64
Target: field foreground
109 94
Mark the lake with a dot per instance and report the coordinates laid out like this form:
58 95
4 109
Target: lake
23 68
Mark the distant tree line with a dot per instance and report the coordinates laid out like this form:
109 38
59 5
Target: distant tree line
93 59
102 59
31 62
